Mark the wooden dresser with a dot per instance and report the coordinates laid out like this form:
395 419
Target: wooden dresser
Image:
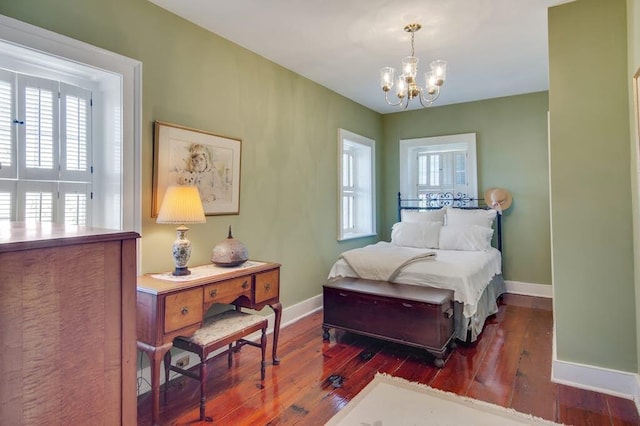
67 325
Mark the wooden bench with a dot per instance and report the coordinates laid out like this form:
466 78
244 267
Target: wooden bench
412 315
218 331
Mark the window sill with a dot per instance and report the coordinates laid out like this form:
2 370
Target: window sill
349 237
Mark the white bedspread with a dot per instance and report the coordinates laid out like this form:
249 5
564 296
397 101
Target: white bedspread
467 273
383 261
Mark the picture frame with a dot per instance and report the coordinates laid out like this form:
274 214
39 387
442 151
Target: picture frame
186 156
636 103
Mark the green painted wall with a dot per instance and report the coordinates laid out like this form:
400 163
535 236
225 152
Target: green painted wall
511 138
288 126
591 214
633 45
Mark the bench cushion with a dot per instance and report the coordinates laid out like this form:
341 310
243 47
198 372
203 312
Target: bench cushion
223 325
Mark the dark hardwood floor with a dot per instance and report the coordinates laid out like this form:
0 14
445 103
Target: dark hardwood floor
509 365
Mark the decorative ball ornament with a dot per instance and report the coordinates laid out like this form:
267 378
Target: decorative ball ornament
229 252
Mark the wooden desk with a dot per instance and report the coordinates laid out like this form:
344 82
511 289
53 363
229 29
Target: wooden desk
176 306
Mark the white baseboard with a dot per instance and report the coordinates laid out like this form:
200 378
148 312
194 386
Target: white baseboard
528 289
611 382
290 315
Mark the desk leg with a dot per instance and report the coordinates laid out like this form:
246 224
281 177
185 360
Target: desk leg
156 355
277 309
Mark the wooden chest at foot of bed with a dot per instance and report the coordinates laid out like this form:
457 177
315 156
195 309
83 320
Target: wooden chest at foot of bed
407 314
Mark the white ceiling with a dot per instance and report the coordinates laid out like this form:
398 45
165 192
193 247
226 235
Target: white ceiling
493 48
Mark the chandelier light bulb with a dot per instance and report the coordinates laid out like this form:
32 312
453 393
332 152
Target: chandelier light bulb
387 75
409 68
439 69
407 87
401 90
432 82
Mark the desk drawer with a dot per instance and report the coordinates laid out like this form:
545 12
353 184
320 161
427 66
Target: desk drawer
228 291
182 309
267 285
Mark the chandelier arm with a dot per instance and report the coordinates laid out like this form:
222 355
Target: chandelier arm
386 98
423 100
428 99
406 104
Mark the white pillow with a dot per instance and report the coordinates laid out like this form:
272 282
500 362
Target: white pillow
465 217
414 216
416 234
470 238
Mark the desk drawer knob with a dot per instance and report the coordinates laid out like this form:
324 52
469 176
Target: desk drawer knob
184 310
245 284
267 286
213 292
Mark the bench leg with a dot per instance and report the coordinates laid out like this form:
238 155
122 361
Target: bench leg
263 347
203 389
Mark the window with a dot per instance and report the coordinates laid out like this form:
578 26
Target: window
105 142
45 146
356 185
436 165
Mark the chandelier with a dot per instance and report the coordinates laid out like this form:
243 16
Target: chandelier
407 88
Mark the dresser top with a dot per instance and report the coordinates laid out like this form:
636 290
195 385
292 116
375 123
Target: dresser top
164 282
15 236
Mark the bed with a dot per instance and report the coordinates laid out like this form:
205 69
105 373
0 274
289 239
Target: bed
444 242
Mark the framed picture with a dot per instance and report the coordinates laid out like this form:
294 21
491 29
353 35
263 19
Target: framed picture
184 156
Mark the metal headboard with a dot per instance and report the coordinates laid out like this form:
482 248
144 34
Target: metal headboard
438 200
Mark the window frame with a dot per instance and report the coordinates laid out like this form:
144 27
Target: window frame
455 143
120 82
362 190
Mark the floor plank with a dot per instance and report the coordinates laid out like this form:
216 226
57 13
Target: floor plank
510 364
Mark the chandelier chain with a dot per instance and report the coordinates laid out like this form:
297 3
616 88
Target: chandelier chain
413 36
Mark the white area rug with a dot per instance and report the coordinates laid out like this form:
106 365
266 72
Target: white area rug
388 401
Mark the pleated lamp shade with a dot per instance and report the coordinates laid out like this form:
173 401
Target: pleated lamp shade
181 204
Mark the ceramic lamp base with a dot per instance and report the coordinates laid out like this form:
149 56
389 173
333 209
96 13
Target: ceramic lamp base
181 251
178 272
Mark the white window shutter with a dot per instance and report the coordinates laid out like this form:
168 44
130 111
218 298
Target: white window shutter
75 133
38 109
74 204
8 168
37 201
460 166
446 171
7 200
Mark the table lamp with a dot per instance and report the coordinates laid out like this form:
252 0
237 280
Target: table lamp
181 204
